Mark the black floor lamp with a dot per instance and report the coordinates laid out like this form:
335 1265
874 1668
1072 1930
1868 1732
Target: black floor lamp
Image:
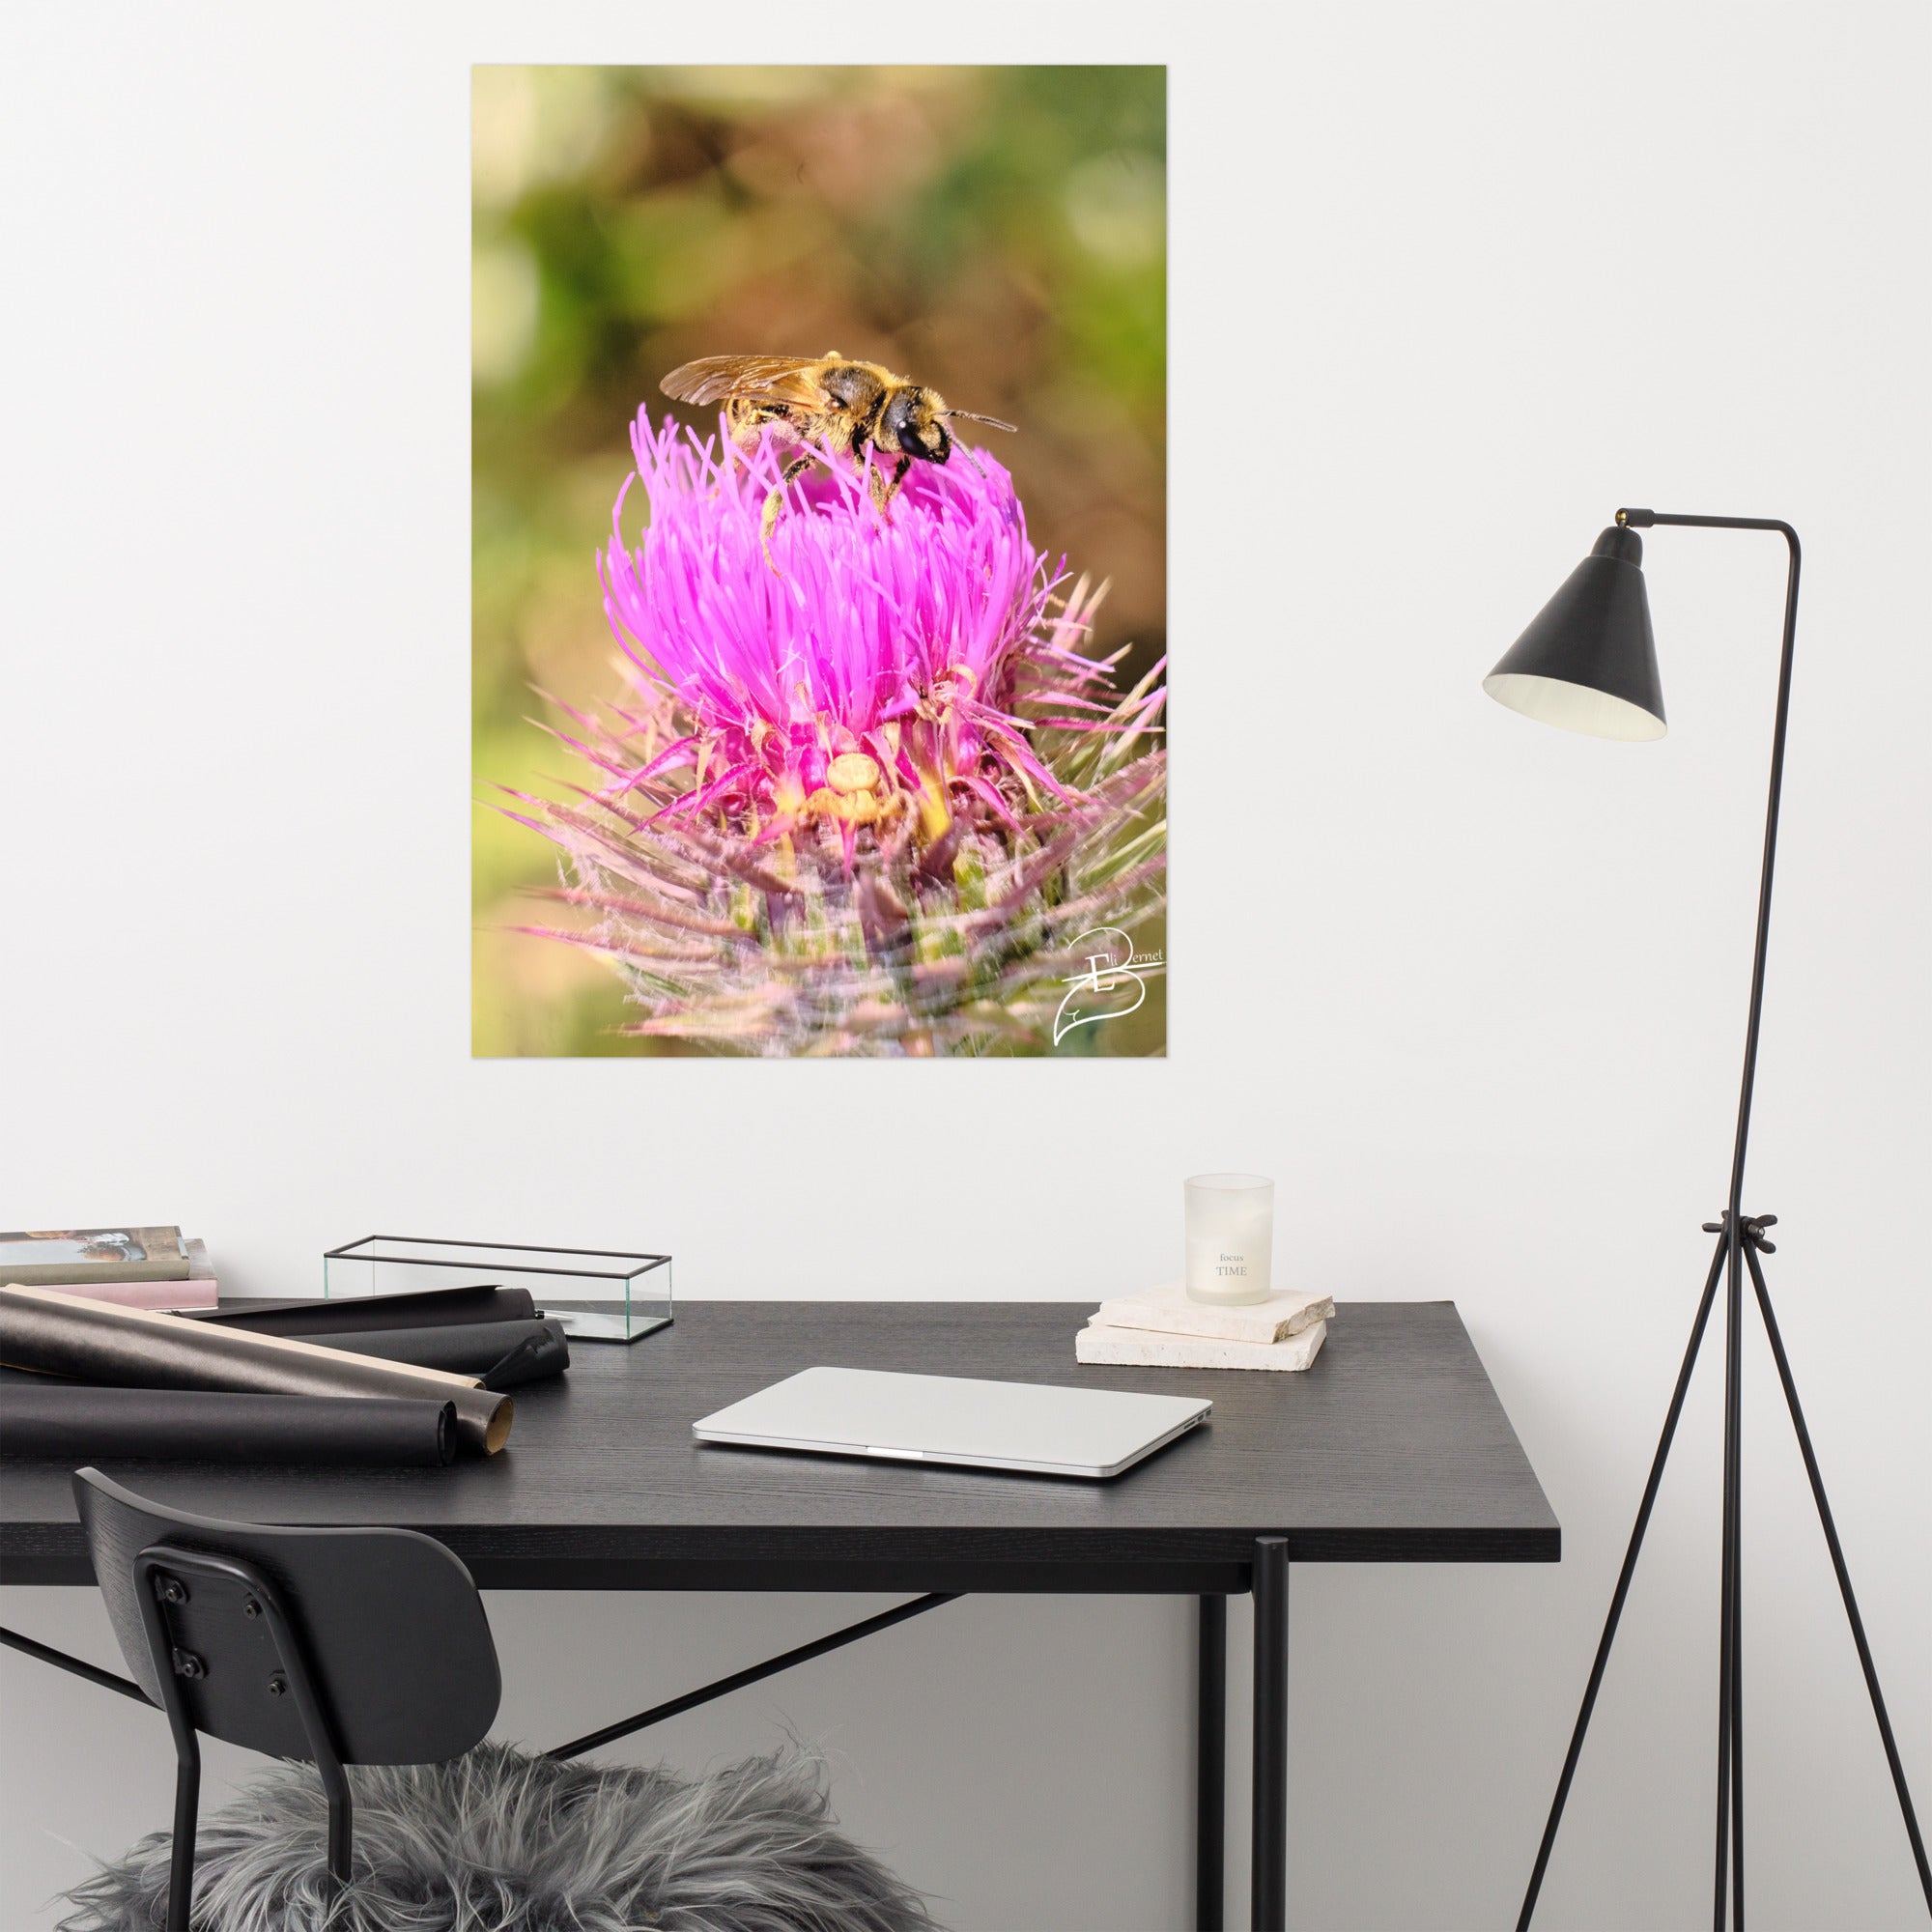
1587 663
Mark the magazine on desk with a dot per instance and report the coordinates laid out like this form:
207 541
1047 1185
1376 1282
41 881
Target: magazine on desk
132 1267
94 1254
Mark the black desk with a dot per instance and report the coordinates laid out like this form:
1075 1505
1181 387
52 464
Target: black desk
1392 1448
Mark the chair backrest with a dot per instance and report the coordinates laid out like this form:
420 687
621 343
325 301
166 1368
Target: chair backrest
390 1629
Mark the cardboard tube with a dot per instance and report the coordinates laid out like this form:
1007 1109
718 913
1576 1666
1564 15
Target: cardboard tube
138 1348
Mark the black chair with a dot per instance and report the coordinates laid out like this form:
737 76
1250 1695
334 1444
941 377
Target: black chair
329 1646
370 1647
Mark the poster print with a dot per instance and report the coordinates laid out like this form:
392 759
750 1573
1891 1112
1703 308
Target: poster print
820 596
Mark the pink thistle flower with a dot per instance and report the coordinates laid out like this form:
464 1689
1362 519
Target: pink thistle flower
869 801
896 637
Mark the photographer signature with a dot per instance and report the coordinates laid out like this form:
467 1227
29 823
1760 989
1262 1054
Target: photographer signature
1111 968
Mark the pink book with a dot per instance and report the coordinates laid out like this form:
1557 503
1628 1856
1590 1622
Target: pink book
160 1294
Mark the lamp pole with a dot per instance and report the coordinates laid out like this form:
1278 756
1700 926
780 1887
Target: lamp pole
1730 1645
1640 520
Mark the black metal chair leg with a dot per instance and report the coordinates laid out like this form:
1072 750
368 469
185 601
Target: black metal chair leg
1210 1768
181 1860
152 1582
341 1836
1270 1875
1844 1576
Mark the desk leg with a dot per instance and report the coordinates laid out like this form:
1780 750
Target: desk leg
1211 1767
1270 1894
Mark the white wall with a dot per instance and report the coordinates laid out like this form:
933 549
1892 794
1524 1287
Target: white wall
1449 285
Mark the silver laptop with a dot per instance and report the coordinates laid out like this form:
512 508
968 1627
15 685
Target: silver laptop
1040 1430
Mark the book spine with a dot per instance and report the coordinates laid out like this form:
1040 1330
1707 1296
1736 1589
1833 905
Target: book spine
66 1274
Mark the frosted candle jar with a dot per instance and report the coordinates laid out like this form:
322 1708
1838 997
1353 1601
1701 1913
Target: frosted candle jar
1229 1238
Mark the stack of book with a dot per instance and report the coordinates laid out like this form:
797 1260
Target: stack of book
1162 1328
131 1267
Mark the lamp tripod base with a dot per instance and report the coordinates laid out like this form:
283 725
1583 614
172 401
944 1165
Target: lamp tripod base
1741 1240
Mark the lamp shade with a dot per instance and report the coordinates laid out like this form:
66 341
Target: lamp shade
1588 662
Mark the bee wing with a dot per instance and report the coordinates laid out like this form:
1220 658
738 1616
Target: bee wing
758 379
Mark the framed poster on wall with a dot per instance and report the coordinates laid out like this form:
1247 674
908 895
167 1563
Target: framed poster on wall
820 545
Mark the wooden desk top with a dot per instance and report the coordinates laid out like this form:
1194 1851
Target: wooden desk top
1392 1447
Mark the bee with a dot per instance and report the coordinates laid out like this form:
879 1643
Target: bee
830 407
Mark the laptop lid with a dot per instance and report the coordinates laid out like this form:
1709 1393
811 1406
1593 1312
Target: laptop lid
1042 1430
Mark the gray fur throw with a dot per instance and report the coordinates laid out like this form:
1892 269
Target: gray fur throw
496 1841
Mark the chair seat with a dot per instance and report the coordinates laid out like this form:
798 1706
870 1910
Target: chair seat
499 1841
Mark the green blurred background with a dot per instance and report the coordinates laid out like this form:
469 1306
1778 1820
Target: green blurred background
1000 233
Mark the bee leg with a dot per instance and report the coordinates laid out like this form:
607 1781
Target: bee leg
774 502
884 487
745 423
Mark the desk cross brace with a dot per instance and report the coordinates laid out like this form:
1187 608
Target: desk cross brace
1270 1859
738 1679
106 1679
61 1661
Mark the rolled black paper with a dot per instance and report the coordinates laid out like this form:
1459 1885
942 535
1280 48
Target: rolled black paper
466 1348
72 1424
524 1363
137 1348
365 1314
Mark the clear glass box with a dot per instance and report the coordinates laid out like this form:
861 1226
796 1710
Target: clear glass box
598 1296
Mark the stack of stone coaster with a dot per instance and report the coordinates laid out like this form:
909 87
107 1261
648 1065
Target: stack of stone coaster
1162 1328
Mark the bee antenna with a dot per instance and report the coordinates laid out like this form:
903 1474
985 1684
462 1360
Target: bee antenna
991 422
